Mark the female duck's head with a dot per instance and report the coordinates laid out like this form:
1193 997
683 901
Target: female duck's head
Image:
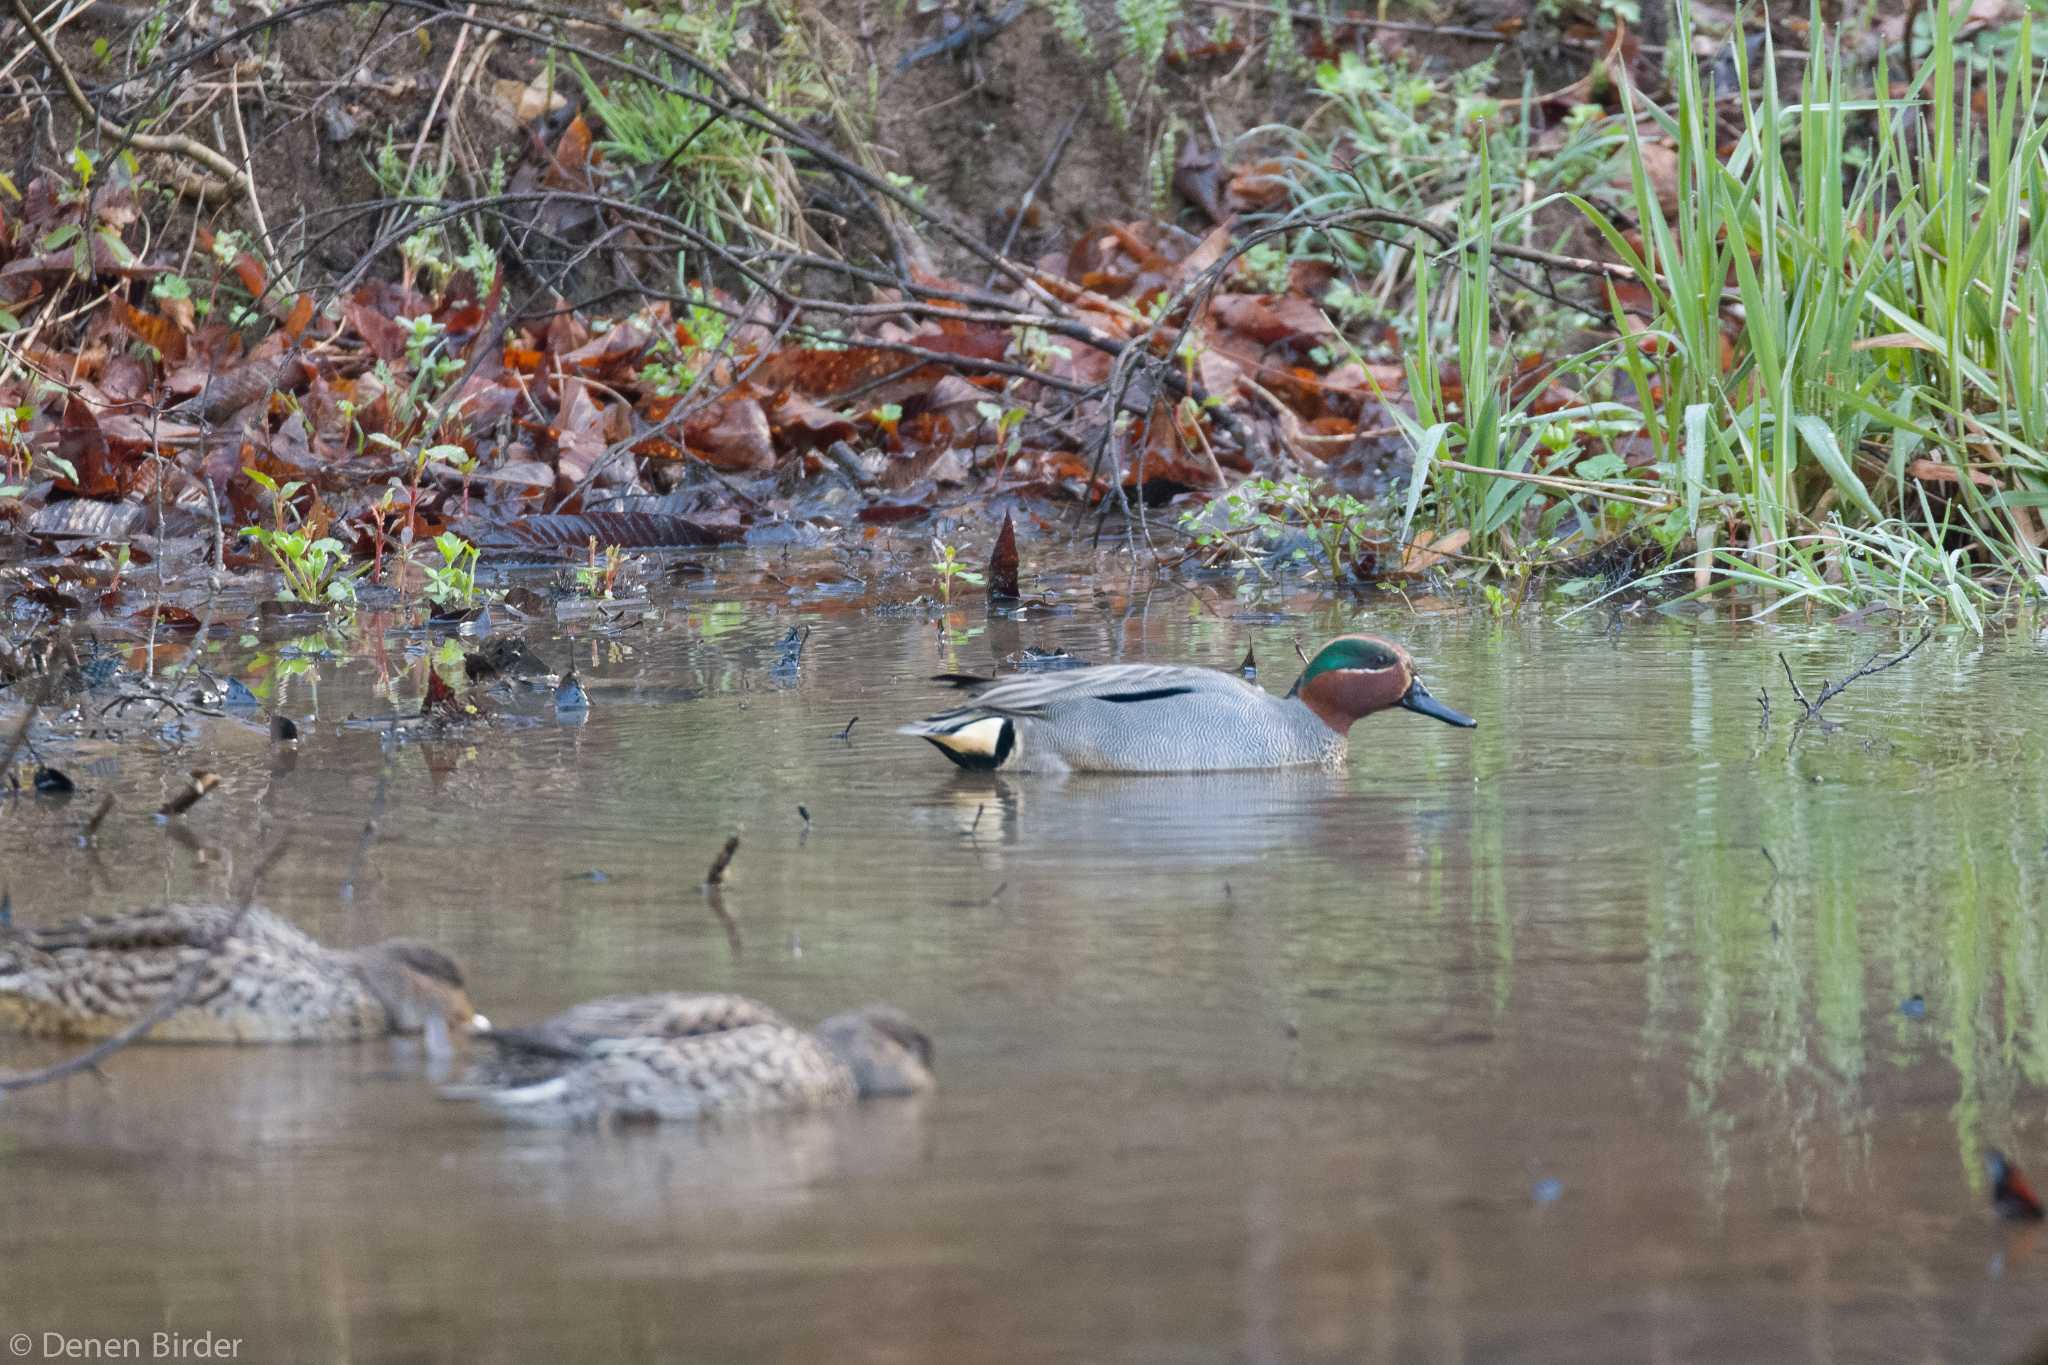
415 982
1356 675
887 1054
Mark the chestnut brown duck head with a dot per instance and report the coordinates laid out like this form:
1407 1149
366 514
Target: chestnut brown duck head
1154 718
1355 675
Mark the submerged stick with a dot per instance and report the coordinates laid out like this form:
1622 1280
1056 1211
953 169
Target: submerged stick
1876 663
714 891
92 826
715 898
716 876
202 783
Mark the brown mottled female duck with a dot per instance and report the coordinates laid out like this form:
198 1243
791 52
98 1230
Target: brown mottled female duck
1171 718
268 983
653 1057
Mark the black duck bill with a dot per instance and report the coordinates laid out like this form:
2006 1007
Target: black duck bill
1418 699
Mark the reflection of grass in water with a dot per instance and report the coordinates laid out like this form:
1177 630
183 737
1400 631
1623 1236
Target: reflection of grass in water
1904 871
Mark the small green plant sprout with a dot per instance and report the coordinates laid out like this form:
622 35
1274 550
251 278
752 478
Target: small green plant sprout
1293 516
424 351
457 458
600 575
949 566
452 587
17 457
1009 430
316 571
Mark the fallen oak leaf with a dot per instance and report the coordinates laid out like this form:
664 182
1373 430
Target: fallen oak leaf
157 331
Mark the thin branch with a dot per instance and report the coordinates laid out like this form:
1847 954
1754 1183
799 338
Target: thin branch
176 144
1875 664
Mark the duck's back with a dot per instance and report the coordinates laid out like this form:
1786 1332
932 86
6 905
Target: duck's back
1143 718
754 1069
93 977
1202 730
517 1057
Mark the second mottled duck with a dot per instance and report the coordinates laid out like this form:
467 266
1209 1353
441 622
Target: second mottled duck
650 1057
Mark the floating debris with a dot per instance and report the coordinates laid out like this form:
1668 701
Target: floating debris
1032 659
1914 1007
443 702
1250 666
284 730
570 698
792 660
54 782
202 783
99 816
2011 1195
503 656
236 696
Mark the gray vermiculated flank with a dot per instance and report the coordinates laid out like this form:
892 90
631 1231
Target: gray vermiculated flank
1107 719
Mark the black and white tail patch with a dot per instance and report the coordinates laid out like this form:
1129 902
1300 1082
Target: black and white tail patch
980 745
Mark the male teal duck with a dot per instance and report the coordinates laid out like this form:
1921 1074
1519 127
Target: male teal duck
1171 718
652 1057
267 983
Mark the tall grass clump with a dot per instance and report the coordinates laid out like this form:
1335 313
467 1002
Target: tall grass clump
1836 361
729 180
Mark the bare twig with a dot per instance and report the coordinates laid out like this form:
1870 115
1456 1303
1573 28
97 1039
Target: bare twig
249 176
92 826
714 896
176 144
1797 694
202 783
1045 173
1876 663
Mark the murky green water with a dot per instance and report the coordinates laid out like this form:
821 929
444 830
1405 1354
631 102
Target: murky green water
1500 1045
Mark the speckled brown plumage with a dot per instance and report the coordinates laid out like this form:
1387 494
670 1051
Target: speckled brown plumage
693 1057
268 983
